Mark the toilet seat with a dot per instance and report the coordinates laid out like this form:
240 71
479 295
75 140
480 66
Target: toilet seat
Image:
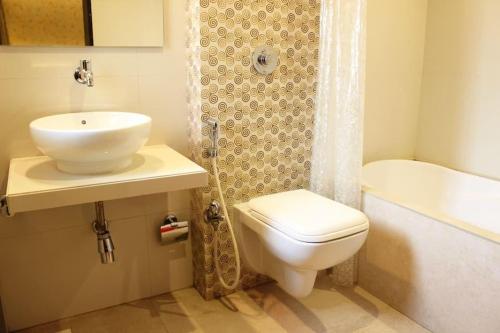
307 217
290 236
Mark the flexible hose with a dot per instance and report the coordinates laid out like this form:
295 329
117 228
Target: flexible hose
231 232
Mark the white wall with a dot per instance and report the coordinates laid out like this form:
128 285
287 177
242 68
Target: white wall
49 266
460 112
144 30
395 50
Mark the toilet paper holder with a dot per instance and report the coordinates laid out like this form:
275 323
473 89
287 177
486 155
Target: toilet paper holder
172 231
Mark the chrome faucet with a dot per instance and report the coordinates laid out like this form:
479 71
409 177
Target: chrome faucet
83 74
212 214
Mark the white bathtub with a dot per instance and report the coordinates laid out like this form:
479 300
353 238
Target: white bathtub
433 251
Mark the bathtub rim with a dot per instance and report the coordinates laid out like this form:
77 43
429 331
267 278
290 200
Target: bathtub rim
419 209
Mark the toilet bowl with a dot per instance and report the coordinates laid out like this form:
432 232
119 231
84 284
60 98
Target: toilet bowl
290 236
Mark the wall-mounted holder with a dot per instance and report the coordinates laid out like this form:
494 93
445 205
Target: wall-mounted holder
213 150
265 59
172 230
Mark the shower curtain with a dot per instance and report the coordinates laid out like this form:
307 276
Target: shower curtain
338 132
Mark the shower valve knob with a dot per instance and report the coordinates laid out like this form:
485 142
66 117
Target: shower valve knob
265 59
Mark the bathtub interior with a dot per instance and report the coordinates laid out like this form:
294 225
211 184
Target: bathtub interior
431 188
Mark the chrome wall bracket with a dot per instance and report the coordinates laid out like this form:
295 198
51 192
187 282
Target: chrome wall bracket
4 207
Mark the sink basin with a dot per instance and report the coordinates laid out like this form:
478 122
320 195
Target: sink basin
91 142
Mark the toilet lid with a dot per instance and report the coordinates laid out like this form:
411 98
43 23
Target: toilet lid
308 217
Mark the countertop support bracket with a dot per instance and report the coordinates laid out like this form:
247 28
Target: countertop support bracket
4 207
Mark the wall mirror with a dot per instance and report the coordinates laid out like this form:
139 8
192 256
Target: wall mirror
126 23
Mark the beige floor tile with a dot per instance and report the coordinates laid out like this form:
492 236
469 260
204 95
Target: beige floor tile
355 310
185 311
263 309
331 310
288 312
56 327
132 317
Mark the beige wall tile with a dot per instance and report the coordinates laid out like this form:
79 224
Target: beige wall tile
171 265
58 272
136 206
164 101
45 63
179 201
26 224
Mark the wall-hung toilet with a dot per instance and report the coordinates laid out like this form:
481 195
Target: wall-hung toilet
290 236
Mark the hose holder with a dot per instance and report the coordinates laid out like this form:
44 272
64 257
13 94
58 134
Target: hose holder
213 134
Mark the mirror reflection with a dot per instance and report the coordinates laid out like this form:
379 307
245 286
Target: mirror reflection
81 23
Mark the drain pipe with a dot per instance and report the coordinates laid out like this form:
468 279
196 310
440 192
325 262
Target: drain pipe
105 245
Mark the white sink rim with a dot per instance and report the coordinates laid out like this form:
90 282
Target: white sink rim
41 123
91 142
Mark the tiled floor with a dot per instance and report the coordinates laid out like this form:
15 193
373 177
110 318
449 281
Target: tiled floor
263 309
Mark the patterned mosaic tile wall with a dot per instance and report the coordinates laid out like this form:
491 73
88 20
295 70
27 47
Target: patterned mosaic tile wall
266 120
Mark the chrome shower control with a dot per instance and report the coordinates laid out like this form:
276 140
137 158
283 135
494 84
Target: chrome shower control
262 59
265 59
213 214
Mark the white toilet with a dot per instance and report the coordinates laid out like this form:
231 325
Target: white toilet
290 236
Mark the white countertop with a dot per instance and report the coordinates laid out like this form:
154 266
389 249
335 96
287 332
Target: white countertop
35 183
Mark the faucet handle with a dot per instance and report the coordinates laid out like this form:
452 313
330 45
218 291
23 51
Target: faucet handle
83 74
85 64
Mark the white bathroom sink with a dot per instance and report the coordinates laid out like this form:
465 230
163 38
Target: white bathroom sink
91 142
